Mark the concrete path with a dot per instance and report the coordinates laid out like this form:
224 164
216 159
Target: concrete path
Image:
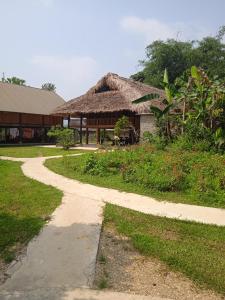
76 294
62 258
35 169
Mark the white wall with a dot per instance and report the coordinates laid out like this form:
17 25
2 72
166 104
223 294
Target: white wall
147 123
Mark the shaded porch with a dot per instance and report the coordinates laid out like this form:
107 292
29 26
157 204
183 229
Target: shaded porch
101 124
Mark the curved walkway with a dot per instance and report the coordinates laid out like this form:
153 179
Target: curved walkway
63 255
35 169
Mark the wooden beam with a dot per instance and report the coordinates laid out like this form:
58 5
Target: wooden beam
20 129
87 137
98 135
81 121
68 121
96 126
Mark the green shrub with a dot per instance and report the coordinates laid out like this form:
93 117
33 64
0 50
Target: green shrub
160 142
200 174
160 172
64 136
122 124
184 142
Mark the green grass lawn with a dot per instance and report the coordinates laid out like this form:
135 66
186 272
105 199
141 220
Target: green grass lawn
197 250
25 204
35 151
72 167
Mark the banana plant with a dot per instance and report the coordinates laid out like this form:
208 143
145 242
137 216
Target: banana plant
206 98
161 114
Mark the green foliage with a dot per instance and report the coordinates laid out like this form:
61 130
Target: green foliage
171 55
164 171
102 259
195 137
183 142
177 57
145 98
15 80
162 115
201 107
160 142
48 86
145 170
121 124
204 111
63 136
103 284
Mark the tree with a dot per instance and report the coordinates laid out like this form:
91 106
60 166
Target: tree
48 87
205 100
210 56
203 113
178 57
15 80
170 55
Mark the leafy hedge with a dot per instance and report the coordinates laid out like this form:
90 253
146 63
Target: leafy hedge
174 170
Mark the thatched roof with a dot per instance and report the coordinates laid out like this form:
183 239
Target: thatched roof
112 93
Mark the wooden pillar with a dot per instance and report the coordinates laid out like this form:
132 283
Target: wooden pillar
81 121
87 137
104 130
68 121
20 129
98 135
5 136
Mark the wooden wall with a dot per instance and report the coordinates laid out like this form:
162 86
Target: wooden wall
107 120
22 119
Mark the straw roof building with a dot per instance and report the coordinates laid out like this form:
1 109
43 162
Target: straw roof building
112 96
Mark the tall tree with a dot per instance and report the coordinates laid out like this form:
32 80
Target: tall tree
210 55
178 57
48 86
171 55
15 80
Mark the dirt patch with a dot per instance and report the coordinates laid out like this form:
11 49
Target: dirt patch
19 250
121 268
3 268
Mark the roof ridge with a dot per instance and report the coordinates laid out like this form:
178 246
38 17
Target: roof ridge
26 86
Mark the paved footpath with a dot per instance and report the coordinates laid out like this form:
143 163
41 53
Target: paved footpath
62 258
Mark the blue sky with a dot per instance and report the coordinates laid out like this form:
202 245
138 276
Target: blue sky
72 43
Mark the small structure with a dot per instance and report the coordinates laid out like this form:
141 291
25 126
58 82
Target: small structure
107 101
25 113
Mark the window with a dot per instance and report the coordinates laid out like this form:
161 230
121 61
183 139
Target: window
2 135
33 135
28 134
12 135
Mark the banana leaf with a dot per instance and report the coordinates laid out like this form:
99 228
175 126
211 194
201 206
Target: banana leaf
146 98
165 77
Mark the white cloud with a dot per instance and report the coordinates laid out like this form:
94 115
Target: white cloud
71 75
153 29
